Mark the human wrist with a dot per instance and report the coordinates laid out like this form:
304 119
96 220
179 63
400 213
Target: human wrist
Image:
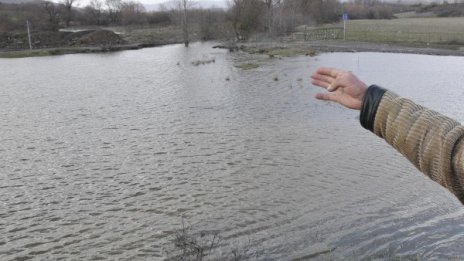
370 102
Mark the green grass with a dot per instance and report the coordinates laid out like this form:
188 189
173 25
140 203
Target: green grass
284 52
408 30
22 54
247 66
60 51
278 51
46 52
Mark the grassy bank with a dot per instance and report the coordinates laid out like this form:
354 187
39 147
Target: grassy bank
415 31
425 33
100 39
60 51
43 52
153 34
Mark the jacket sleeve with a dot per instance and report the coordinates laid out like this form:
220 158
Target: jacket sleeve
432 142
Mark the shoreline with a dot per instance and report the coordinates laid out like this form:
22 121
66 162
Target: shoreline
311 47
39 52
396 48
297 48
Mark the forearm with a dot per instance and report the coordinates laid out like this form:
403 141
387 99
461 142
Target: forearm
432 142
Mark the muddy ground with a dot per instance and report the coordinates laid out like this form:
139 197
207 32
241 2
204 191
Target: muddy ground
45 39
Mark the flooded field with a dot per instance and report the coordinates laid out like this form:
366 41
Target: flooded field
104 156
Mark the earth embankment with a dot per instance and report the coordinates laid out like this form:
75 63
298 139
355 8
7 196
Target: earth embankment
50 39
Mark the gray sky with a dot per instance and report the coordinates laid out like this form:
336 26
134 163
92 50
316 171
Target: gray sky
86 2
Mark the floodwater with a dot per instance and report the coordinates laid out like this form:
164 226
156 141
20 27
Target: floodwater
104 156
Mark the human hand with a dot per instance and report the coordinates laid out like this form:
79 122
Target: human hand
343 87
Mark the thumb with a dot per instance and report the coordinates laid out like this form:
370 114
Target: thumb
333 87
327 96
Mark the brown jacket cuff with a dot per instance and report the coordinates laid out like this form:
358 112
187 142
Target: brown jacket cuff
370 103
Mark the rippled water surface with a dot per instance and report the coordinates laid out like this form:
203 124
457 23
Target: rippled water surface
103 156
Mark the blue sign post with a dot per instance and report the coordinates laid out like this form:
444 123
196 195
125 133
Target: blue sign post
345 18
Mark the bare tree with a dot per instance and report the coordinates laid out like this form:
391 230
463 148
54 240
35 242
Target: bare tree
290 9
237 9
246 17
114 10
183 8
53 14
95 10
132 12
270 4
68 12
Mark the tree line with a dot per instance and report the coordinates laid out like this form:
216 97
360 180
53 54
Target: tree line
240 20
46 15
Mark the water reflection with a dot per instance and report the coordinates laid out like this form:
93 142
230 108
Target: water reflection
102 155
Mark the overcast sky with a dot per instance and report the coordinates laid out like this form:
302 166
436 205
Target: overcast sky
154 2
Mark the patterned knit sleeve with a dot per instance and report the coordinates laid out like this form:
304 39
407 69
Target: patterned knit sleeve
433 142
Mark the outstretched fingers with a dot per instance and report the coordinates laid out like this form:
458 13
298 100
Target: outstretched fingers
330 86
320 83
342 87
332 72
322 77
326 78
